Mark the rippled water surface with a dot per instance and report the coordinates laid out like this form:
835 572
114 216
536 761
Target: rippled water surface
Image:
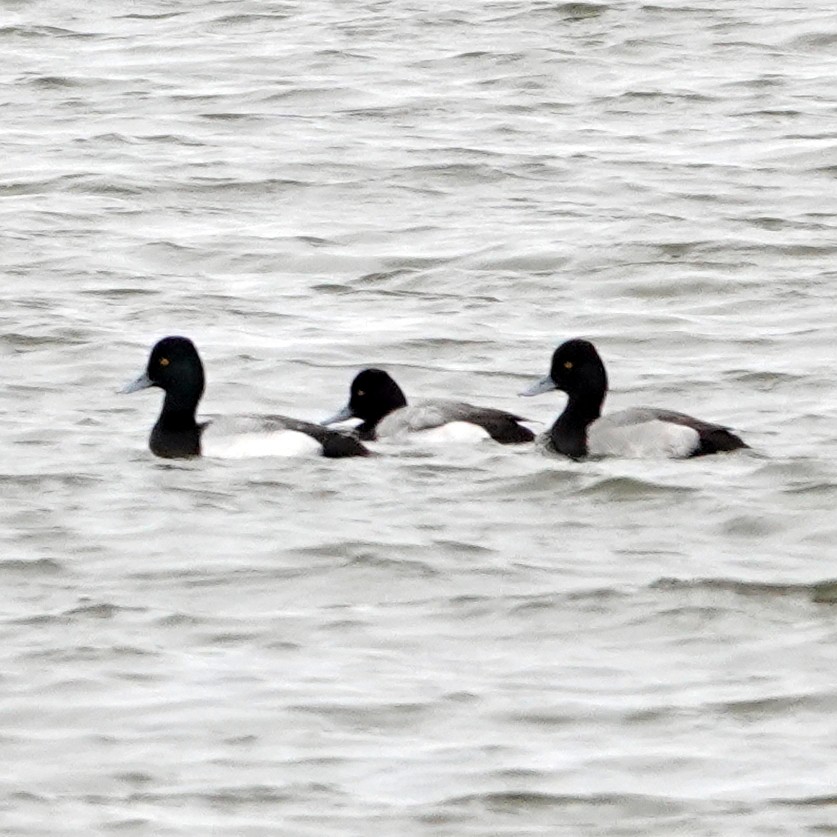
472 641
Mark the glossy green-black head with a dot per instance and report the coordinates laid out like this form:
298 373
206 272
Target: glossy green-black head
372 395
576 369
175 367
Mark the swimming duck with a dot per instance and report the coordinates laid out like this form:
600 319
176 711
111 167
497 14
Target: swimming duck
581 430
377 400
176 367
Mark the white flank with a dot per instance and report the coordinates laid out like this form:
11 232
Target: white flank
250 445
642 439
453 433
429 422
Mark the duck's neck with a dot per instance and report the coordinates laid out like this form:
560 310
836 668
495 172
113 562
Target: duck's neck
395 401
179 409
569 433
176 434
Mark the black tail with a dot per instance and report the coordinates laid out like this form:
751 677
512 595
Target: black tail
507 431
719 440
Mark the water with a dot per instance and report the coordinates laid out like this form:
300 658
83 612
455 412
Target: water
483 641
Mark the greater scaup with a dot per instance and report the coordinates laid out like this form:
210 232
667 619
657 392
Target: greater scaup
580 430
377 400
176 367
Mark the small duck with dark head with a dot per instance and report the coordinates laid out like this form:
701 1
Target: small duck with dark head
175 367
581 430
377 400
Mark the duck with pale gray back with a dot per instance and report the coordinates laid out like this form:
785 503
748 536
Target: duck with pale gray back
581 430
377 400
176 367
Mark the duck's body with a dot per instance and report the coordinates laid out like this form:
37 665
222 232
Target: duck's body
176 367
582 431
377 400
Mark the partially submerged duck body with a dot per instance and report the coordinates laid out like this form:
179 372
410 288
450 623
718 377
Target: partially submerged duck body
377 400
176 367
581 430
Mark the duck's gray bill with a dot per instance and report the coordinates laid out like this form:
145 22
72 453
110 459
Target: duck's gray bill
543 385
344 415
143 382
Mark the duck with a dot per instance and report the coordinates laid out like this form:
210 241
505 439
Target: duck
379 402
581 430
175 366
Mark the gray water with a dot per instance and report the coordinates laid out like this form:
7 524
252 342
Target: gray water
473 641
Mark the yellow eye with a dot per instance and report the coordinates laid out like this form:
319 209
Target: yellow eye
164 361
568 364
